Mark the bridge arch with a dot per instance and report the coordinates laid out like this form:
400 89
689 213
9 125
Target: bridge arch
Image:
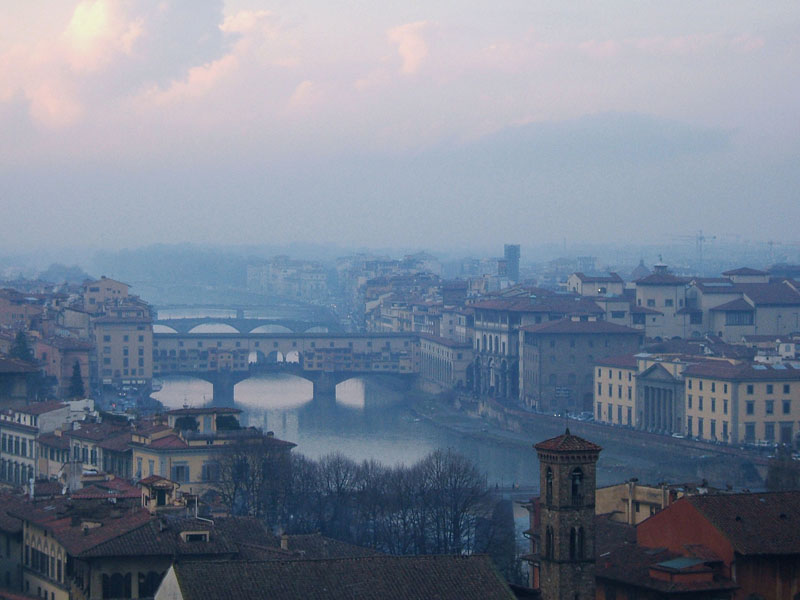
317 329
163 329
272 328
214 328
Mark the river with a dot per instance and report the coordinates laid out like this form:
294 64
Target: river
372 420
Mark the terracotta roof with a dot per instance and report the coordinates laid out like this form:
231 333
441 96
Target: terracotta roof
15 365
168 441
162 537
735 305
721 369
567 443
102 490
55 516
8 523
624 361
53 441
765 523
568 326
744 271
770 294
376 577
119 442
630 564
37 408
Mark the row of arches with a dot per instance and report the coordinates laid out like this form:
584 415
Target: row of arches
227 328
576 487
495 377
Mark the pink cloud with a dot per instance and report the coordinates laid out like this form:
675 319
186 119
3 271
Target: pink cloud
411 46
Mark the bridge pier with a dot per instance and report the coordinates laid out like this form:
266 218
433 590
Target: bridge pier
223 383
325 385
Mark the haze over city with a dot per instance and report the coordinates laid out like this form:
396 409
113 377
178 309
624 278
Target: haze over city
403 125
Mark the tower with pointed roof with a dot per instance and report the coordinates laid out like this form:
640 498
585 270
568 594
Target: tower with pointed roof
567 465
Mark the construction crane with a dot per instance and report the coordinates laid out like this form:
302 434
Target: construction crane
699 239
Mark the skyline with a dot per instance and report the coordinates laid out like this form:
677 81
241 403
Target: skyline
134 123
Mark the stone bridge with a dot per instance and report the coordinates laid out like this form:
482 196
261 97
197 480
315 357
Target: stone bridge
325 359
248 325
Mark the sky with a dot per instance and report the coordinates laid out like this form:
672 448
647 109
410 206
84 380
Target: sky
433 124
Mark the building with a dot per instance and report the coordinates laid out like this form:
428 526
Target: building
123 339
58 356
743 402
596 285
752 537
365 577
20 426
632 502
497 334
558 358
664 293
97 294
511 255
565 569
15 379
189 449
445 362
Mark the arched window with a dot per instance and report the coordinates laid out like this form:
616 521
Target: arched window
573 543
549 485
548 542
579 544
577 486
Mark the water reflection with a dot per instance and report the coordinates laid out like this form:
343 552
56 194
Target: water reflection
365 421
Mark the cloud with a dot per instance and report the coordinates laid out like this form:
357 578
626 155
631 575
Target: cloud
304 95
97 31
410 45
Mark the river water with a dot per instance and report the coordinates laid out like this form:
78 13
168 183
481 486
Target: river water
367 421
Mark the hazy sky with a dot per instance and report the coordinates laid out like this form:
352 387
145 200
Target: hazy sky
435 123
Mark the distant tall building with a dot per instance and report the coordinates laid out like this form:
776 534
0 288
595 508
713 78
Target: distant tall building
511 254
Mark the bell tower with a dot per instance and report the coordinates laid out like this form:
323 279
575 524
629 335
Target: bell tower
567 465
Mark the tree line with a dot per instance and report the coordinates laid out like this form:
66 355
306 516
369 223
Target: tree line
439 505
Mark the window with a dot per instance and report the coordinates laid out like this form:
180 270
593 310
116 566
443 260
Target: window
725 431
610 391
629 416
750 389
769 432
599 393
700 428
669 302
576 480
689 400
700 385
750 407
689 430
785 388
713 429
725 388
180 473
770 407
699 403
549 485
619 391
724 407
770 388
651 302
739 317
629 393
619 415
690 383
713 405
787 407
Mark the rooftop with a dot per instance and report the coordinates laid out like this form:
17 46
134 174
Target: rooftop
568 326
366 578
567 443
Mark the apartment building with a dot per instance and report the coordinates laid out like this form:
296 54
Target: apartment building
743 402
558 359
123 338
